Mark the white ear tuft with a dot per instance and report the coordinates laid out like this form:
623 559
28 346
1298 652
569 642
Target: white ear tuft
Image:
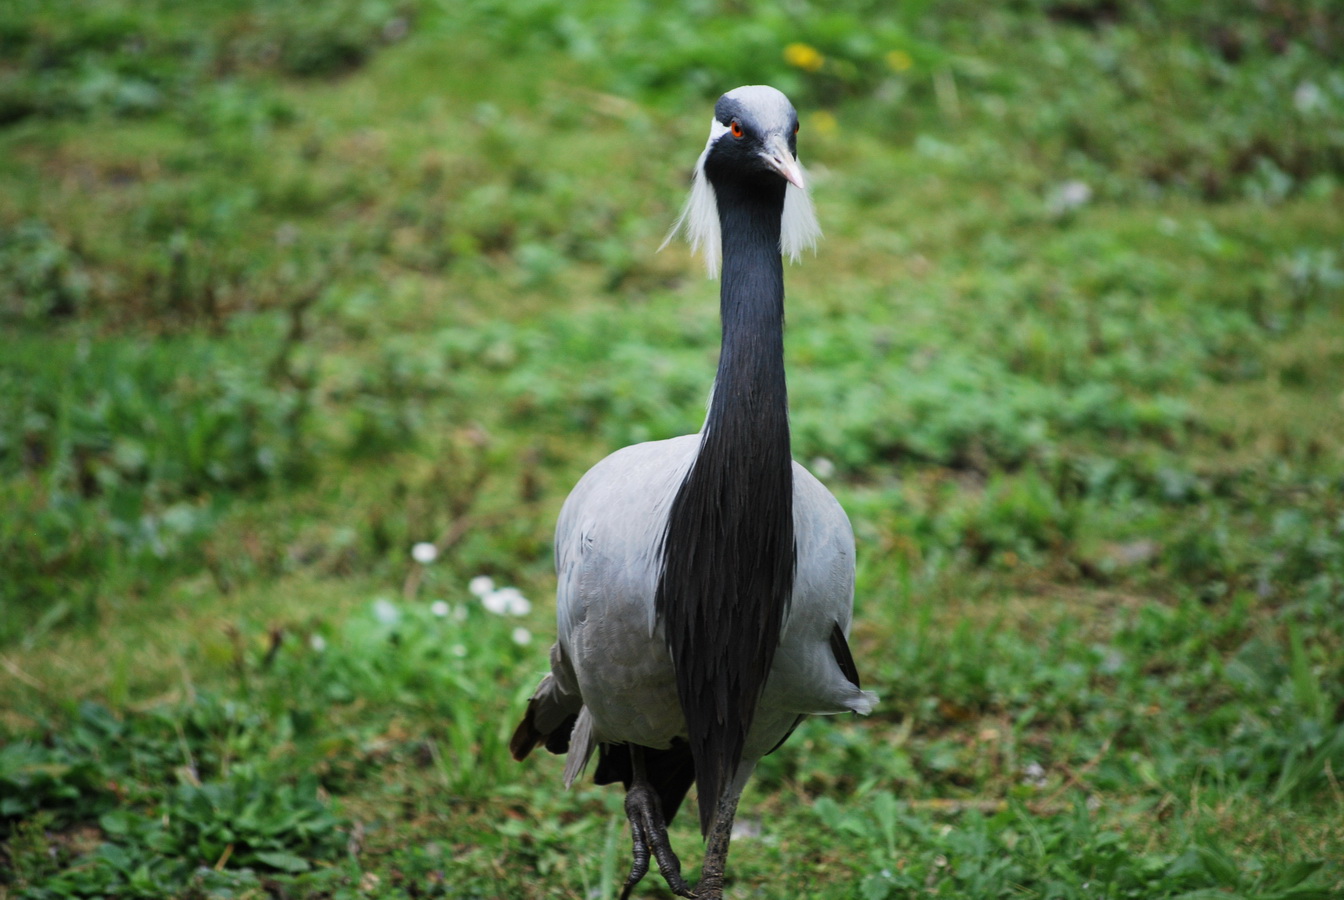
699 219
799 229
700 214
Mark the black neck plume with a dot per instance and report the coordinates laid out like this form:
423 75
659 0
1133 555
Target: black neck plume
728 554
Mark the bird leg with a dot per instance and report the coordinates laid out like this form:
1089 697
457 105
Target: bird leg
710 886
648 831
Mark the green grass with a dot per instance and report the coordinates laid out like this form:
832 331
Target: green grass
285 292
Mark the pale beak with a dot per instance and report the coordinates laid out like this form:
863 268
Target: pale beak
777 156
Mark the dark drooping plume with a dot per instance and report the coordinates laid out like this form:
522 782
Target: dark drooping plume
728 552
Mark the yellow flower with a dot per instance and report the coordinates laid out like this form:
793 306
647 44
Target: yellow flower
804 56
899 60
823 122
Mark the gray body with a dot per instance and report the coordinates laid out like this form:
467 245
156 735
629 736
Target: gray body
611 662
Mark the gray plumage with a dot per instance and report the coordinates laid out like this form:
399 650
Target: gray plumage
612 650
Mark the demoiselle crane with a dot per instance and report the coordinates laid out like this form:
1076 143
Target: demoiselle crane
706 582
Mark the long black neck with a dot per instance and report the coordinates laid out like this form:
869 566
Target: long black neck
728 553
750 406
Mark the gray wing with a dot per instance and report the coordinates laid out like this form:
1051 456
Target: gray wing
814 672
608 546
610 677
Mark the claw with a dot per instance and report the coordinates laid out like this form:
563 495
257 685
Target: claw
648 834
640 867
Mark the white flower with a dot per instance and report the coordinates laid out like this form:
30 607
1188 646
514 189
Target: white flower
385 611
496 602
439 608
458 650
515 604
506 601
823 468
1068 196
424 553
1308 97
521 636
318 643
481 585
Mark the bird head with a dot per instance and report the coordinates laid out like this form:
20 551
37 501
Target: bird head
752 137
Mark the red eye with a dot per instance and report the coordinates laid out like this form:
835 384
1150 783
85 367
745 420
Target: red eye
736 128
795 127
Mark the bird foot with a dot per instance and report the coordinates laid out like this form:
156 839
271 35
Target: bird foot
648 830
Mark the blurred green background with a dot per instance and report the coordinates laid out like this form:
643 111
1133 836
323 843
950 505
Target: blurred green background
288 289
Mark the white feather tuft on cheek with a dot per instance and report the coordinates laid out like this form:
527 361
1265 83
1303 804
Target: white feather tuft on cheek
699 217
799 229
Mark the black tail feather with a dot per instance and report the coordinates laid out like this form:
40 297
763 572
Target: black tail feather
843 657
528 735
